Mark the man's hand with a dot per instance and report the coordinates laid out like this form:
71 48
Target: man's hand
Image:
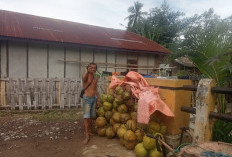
89 69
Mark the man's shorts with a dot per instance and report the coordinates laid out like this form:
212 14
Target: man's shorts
89 107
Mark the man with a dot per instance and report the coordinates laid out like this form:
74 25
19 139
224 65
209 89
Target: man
89 98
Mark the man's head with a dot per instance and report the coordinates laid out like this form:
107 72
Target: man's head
92 67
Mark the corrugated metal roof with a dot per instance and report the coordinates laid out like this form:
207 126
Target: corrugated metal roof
24 26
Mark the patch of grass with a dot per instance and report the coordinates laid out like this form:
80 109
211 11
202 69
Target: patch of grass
3 113
58 115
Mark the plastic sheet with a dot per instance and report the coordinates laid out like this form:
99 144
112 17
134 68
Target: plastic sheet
149 99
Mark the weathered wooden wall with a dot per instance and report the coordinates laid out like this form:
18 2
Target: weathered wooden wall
21 59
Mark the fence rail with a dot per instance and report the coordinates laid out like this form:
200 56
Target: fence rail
26 94
221 90
216 115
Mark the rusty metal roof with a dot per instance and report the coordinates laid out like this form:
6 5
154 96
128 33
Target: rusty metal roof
24 26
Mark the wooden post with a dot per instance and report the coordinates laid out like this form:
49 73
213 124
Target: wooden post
43 100
39 87
28 100
43 94
36 99
20 96
205 102
69 93
62 92
62 100
51 90
3 94
75 93
12 100
58 92
78 95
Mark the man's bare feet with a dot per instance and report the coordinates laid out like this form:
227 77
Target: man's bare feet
86 140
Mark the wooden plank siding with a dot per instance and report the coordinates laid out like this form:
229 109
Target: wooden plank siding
36 60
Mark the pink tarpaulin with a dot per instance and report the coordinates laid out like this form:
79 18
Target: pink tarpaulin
149 99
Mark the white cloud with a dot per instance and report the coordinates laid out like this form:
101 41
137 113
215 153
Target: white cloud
107 13
191 7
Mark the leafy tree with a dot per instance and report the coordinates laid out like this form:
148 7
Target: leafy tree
207 41
165 24
161 25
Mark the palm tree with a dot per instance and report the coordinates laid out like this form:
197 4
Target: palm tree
136 14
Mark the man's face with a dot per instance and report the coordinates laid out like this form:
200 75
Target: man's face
92 68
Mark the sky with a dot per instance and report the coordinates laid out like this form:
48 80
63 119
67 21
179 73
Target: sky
108 13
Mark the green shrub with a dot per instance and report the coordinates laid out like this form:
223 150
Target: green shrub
222 131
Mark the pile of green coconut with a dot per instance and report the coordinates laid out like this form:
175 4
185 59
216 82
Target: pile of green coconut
117 118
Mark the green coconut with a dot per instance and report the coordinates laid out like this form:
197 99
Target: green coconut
148 143
130 145
110 92
108 115
133 116
101 131
125 117
126 96
110 98
119 90
100 112
121 131
118 99
112 122
135 107
163 129
151 131
140 151
123 126
139 135
128 88
117 117
116 126
155 153
131 125
103 98
109 132
100 122
129 136
154 126
107 106
122 108
130 102
115 105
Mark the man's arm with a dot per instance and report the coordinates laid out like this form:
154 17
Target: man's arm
85 77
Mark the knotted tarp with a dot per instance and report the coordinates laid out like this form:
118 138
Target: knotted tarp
148 96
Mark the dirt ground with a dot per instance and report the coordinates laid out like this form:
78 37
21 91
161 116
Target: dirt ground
45 135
